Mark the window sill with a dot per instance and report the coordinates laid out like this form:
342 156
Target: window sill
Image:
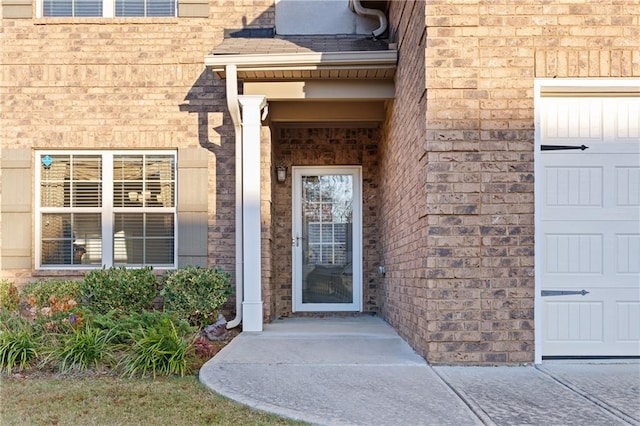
105 21
80 272
55 273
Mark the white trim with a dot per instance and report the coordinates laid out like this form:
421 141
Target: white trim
351 90
567 87
252 306
108 8
107 210
296 197
303 60
537 223
592 86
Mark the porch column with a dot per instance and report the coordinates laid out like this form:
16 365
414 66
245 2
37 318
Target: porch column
252 106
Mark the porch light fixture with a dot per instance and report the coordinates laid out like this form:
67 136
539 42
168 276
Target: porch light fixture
281 173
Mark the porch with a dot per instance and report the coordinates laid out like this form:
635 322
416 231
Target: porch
357 370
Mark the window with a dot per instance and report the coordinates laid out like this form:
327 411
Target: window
108 8
113 209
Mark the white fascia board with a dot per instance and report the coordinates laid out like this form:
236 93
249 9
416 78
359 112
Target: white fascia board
322 90
304 60
578 86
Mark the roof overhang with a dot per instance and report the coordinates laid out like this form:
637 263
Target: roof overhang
379 65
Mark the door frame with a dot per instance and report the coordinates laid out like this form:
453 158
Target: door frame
296 227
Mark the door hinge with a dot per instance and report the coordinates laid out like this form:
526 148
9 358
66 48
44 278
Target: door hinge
562 147
563 293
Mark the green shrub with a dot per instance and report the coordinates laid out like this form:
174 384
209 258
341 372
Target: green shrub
158 350
18 348
9 296
120 289
195 294
84 348
41 292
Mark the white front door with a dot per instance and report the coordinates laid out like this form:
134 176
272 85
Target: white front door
327 239
590 225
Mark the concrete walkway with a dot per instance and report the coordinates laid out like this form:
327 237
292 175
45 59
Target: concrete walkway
358 371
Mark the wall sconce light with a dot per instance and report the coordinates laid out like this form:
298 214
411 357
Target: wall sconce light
281 173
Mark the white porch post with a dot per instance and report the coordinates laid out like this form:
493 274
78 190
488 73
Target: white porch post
252 106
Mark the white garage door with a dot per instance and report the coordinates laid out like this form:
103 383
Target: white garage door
590 224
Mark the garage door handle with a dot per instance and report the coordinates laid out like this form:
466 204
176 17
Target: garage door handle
563 292
562 147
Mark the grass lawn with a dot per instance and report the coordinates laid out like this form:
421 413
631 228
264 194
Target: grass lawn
112 401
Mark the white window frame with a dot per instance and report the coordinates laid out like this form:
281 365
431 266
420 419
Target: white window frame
107 209
108 11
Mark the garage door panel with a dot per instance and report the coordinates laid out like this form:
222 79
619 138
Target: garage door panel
590 119
590 226
575 321
628 186
574 186
571 119
628 254
596 252
625 119
574 253
628 317
580 324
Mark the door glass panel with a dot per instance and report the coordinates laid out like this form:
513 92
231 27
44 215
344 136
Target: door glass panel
327 239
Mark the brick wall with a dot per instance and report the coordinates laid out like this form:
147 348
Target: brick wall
126 83
402 193
473 302
325 146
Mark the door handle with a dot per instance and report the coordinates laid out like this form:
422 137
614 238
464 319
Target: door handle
295 241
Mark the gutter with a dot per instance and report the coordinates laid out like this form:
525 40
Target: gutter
234 110
357 7
377 59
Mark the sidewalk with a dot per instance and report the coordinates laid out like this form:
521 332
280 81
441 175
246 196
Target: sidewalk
358 371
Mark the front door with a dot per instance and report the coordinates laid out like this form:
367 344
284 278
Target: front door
327 239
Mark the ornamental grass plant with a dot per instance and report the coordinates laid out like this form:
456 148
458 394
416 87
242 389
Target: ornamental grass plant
111 321
157 350
84 348
18 349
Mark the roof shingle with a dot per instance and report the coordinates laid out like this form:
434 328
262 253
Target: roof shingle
298 44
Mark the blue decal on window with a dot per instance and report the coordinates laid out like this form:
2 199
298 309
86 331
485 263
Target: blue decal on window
47 161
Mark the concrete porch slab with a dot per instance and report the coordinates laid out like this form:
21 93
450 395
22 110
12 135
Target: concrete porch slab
334 371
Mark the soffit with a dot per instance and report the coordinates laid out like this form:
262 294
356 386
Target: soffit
326 112
305 57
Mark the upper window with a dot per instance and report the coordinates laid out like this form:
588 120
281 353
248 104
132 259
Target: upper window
107 208
108 8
